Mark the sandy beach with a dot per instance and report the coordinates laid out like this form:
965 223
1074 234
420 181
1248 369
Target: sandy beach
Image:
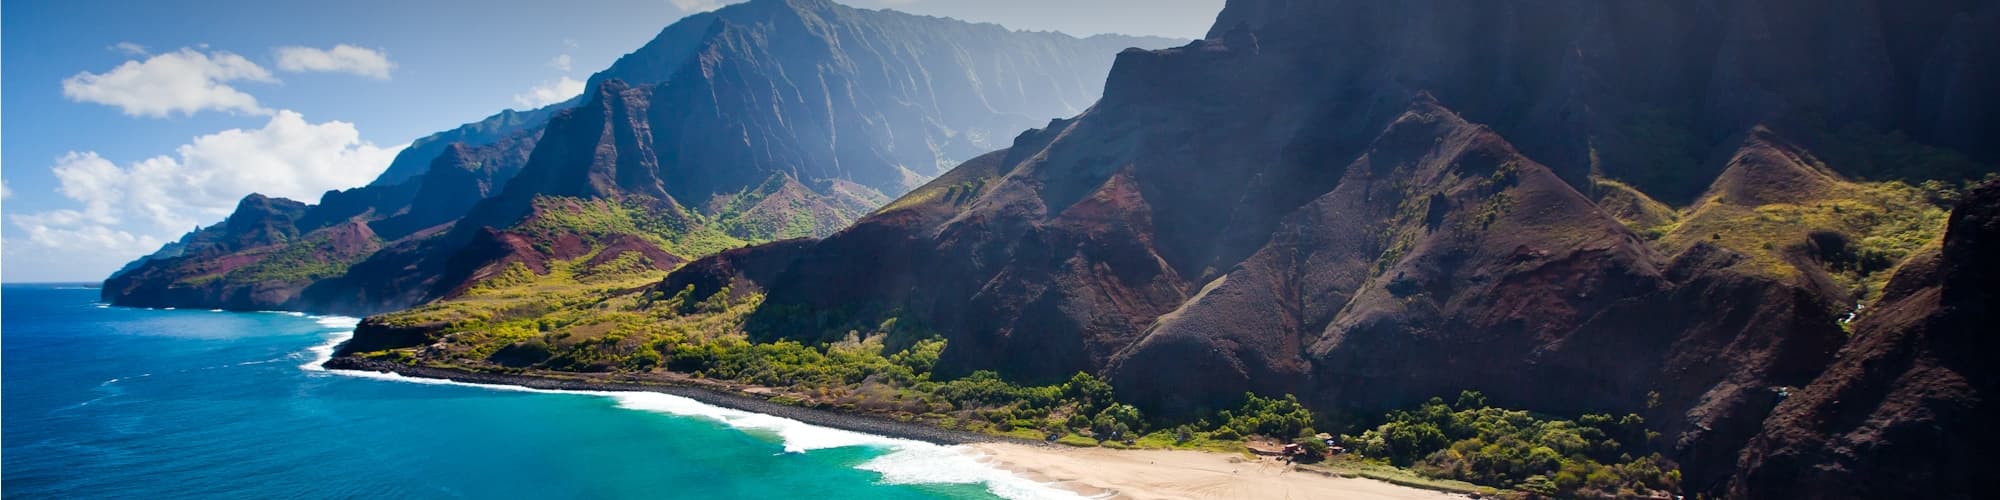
1092 472
1163 474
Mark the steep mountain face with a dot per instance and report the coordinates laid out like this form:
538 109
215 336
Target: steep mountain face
459 178
1369 204
264 253
765 120
654 62
1905 410
1648 91
416 159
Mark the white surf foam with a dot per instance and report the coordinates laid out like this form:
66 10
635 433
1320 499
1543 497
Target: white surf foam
344 322
798 437
907 461
324 352
918 462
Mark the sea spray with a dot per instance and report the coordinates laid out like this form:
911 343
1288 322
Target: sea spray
322 353
906 461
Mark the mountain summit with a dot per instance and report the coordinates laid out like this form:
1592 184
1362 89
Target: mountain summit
763 120
1660 207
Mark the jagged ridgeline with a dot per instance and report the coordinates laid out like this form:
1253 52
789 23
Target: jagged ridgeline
760 121
1664 208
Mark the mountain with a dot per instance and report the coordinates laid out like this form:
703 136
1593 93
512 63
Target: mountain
759 121
1903 411
413 161
1662 207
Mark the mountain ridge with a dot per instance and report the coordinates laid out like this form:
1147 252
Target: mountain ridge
741 70
1239 230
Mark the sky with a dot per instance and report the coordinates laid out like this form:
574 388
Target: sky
134 121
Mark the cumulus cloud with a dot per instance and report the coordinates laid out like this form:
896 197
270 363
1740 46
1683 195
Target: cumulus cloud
86 240
5 193
136 207
342 58
560 63
183 81
550 93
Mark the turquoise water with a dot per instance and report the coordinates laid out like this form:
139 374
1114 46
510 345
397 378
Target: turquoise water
116 402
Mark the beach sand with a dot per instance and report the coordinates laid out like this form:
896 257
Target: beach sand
1160 474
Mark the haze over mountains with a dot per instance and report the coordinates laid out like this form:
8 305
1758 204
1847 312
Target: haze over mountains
1677 209
721 120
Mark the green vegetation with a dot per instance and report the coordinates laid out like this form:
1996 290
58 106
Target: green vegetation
678 336
597 220
552 323
299 261
1470 441
609 317
1856 231
1638 212
564 286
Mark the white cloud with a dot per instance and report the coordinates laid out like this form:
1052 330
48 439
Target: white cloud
561 63
692 6
341 58
183 81
5 193
128 48
134 208
89 239
550 93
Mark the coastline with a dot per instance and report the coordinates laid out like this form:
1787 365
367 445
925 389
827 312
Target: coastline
1160 474
717 396
1085 472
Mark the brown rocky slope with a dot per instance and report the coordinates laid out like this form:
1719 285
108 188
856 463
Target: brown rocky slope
1905 411
1307 202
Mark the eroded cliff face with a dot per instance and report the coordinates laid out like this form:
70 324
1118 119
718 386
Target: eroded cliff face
1905 410
1369 204
760 121
1649 91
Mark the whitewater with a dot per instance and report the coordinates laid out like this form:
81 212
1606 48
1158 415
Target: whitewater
906 461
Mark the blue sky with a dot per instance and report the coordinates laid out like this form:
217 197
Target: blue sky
133 121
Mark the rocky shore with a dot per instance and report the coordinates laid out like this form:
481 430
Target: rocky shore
717 396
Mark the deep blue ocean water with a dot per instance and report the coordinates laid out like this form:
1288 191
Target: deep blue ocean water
115 402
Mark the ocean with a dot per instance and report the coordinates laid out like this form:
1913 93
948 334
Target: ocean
108 402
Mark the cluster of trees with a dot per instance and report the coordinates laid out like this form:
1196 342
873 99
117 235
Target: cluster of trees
1259 416
1595 455
1464 440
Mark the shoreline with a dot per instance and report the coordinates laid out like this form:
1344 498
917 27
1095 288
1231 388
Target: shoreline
1083 471
717 396
1155 473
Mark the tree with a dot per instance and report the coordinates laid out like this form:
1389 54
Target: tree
1077 422
1315 448
1088 390
1470 400
1404 442
1117 417
645 359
